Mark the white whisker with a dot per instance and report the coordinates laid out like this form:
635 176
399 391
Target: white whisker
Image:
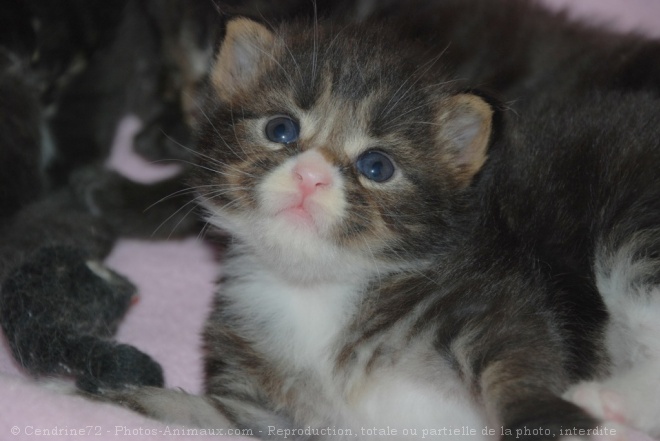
316 42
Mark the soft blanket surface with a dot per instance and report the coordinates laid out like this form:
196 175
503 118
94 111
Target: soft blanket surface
175 281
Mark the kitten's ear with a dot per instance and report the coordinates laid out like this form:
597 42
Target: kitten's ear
243 53
466 122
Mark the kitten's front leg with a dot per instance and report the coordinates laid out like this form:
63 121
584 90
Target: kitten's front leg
529 412
247 387
515 359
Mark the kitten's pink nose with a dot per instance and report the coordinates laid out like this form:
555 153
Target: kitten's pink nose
312 172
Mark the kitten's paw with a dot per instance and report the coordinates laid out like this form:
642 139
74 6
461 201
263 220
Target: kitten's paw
630 400
599 401
548 418
117 367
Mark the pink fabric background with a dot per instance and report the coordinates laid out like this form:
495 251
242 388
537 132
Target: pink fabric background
175 281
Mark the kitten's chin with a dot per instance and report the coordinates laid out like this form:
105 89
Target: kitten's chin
295 224
298 217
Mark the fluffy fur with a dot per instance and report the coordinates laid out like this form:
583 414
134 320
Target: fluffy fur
586 199
68 72
440 297
411 293
359 304
466 289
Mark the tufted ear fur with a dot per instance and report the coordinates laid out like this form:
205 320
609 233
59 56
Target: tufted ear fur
466 122
245 50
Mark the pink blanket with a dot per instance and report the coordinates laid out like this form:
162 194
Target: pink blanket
175 281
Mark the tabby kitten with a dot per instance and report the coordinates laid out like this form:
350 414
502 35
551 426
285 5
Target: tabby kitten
405 255
591 246
364 286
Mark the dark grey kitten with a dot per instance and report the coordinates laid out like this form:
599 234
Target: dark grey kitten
575 181
69 70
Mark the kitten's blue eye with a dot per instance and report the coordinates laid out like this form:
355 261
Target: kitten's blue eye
282 129
375 166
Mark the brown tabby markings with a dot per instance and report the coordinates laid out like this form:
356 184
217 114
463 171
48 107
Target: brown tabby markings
409 296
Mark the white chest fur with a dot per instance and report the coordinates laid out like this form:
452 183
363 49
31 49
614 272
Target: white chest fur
295 323
299 327
401 405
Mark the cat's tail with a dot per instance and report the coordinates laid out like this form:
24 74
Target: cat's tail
220 414
173 406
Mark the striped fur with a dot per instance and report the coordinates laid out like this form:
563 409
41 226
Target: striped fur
465 290
386 311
